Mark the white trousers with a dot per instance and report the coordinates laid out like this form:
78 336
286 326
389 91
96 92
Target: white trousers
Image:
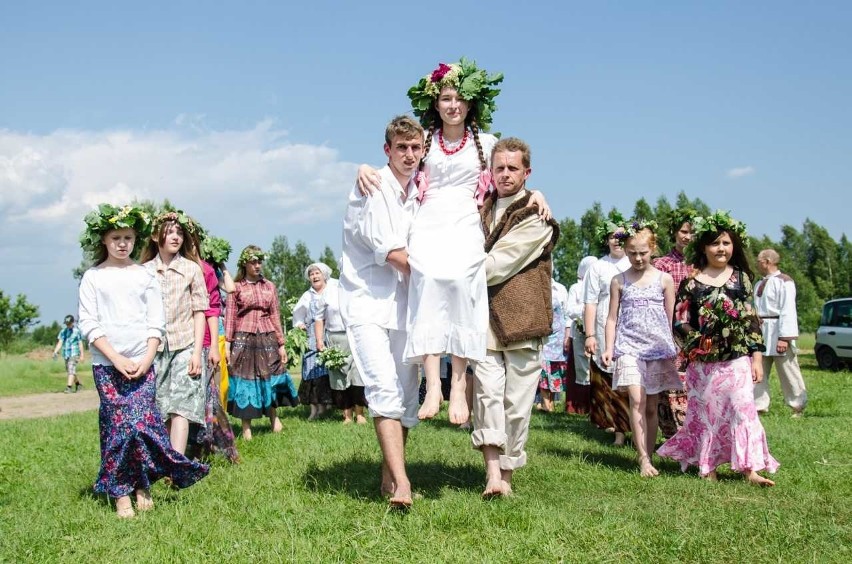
790 377
503 394
390 385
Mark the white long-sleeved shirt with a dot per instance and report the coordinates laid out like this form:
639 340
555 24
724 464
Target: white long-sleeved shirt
328 307
124 305
372 291
776 306
575 306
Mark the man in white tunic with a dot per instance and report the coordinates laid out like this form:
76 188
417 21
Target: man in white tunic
775 302
373 299
518 270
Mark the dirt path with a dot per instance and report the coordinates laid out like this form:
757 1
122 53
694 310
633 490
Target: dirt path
47 405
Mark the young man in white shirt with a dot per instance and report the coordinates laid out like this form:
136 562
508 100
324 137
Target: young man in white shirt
374 297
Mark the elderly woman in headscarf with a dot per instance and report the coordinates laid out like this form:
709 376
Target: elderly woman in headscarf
347 387
577 388
314 389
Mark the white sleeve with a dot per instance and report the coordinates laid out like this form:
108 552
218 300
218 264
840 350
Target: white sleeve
788 325
591 286
87 314
574 307
375 227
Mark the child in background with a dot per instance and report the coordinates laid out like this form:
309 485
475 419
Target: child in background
70 342
173 258
720 336
121 314
639 337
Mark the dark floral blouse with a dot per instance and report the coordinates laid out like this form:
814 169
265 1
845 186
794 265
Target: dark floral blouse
713 324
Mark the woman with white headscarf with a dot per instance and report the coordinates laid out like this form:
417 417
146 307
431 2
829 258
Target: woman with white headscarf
577 388
315 389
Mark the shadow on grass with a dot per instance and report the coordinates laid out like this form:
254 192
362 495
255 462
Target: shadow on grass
360 478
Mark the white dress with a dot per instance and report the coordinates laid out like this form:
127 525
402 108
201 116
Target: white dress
596 291
448 295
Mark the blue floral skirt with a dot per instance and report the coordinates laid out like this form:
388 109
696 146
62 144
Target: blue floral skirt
135 446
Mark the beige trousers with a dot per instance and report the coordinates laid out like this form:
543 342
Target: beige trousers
790 377
503 394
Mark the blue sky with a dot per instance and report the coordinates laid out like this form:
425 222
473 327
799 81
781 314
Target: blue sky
252 115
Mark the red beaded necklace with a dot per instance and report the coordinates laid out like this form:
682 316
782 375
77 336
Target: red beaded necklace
449 152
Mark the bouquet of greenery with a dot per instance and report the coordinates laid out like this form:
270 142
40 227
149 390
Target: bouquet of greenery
727 329
332 358
297 344
215 250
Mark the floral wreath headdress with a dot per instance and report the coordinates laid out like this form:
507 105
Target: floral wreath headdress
718 221
472 83
678 217
631 228
107 217
189 225
610 224
249 255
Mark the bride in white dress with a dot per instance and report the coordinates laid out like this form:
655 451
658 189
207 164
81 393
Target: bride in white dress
448 295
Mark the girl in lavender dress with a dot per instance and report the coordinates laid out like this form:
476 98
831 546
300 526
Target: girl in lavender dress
720 335
639 337
121 315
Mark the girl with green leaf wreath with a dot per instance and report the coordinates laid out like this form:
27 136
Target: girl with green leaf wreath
255 347
448 300
720 336
171 255
122 316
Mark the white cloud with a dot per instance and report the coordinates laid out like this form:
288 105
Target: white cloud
740 171
246 185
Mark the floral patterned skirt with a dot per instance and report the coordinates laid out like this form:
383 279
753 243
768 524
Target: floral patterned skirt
722 425
552 375
135 446
216 436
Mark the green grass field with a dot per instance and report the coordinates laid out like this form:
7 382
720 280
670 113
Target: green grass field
311 495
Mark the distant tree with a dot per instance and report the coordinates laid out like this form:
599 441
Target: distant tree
821 255
642 210
15 317
327 257
843 284
275 270
589 222
568 252
46 334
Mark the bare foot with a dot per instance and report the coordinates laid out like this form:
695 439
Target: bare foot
620 438
754 478
347 421
124 508
247 434
360 420
432 404
711 476
144 501
458 411
401 498
277 427
493 488
646 469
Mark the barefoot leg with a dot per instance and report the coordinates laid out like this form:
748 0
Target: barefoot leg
392 441
179 432
754 478
506 479
124 508
432 403
459 411
387 485
493 475
143 500
620 439
274 422
359 415
347 416
246 429
546 401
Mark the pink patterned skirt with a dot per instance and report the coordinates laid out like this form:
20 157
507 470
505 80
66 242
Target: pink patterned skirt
722 426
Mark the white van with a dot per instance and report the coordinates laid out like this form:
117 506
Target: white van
834 334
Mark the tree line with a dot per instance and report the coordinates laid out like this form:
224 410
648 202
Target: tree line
820 265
